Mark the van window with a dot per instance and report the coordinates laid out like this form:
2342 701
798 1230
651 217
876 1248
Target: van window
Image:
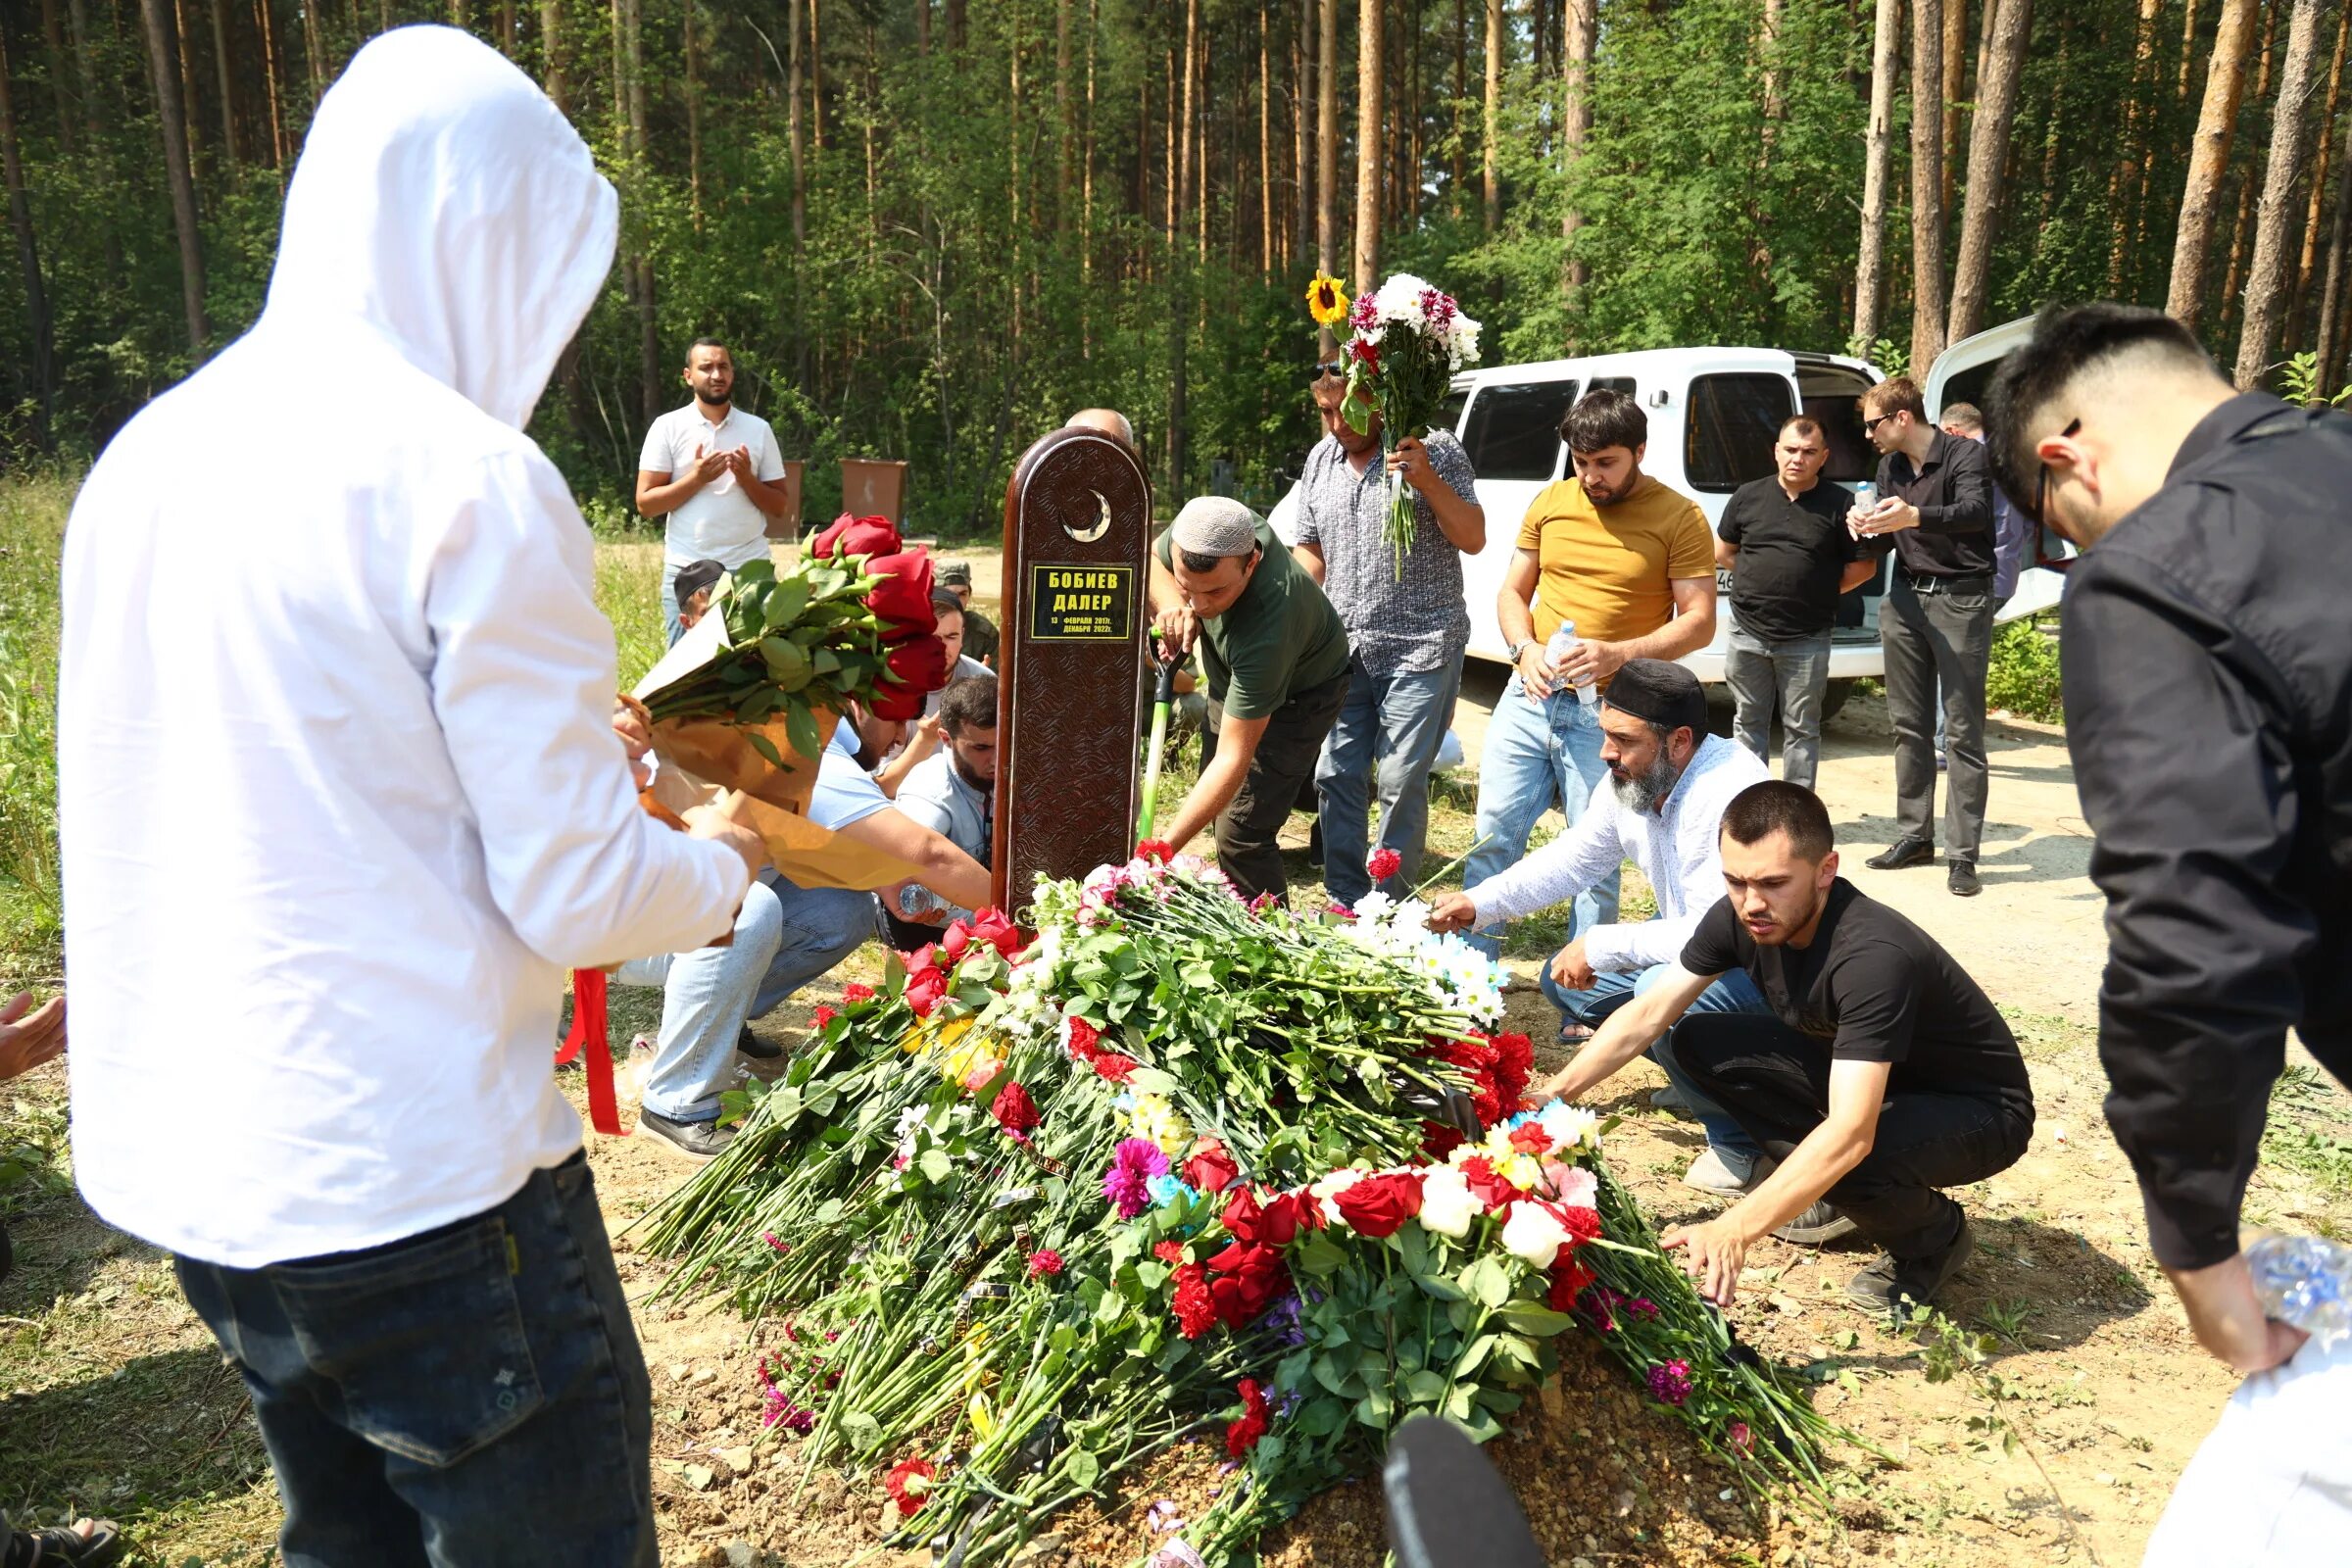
1449 411
1727 438
1832 394
1514 429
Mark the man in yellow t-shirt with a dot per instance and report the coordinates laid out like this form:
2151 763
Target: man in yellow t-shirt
1632 563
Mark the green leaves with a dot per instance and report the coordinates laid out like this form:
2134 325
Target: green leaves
801 725
1487 1282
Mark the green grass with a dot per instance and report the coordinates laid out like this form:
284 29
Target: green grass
32 527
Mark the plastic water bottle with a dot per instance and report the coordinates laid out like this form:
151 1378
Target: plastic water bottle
1563 643
1866 496
2305 1280
916 901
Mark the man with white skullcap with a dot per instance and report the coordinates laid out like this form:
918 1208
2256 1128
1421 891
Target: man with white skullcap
1276 659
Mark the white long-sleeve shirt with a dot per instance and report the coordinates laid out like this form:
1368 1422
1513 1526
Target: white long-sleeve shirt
1676 846
339 795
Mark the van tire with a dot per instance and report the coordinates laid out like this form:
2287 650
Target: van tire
1835 698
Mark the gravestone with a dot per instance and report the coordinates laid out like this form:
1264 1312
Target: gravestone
1077 526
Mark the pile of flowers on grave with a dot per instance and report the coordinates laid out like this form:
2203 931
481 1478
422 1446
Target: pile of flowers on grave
1179 1168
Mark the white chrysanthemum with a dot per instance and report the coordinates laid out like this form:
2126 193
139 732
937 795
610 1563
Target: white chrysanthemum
1412 915
1372 907
1398 300
1533 1235
1447 1205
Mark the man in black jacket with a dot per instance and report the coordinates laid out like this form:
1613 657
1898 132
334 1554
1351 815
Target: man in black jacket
1934 502
2208 684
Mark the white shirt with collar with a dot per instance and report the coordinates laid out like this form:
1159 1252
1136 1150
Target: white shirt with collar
1677 848
717 522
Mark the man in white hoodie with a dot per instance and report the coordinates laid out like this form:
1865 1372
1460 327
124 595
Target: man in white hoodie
340 804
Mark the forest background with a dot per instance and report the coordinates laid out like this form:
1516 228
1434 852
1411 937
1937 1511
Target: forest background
931 229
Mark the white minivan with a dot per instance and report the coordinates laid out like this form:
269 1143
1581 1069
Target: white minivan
1714 414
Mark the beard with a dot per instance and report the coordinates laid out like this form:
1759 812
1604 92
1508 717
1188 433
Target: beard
971 780
1643 791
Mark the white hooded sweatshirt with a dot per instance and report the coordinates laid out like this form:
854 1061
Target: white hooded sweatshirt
339 795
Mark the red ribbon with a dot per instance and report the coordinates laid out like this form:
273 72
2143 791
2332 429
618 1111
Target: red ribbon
590 1031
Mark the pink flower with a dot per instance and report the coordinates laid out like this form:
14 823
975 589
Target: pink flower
1385 863
1671 1382
1744 1441
1126 1184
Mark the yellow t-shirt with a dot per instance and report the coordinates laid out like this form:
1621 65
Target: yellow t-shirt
1607 567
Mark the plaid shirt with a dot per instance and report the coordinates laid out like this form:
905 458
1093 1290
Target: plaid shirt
1395 627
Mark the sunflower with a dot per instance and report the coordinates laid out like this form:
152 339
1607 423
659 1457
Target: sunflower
1326 300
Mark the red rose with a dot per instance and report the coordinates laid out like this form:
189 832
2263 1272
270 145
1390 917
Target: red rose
926 988
1491 1189
901 705
1243 1435
1195 1312
1211 1168
1379 1206
902 600
1157 851
1275 1222
955 939
1242 1217
995 928
1114 1066
1385 863
1013 1109
856 536
920 665
1287 1215
1244 1280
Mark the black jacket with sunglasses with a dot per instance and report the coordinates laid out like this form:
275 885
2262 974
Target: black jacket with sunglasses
2207 679
1952 488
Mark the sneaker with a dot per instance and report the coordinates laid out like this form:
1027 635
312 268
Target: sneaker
1669 1098
1816 1226
1909 850
1962 880
759 1049
698 1139
1892 1285
1721 1170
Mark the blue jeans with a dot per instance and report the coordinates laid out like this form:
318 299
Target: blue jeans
1392 722
1537 753
1732 992
467 1397
672 629
785 937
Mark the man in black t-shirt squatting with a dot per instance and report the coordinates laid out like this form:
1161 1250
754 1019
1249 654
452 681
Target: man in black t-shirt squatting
1884 1075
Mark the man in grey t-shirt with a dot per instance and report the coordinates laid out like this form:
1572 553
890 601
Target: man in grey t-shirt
1406 628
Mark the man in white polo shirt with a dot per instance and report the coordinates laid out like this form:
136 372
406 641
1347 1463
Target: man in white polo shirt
715 471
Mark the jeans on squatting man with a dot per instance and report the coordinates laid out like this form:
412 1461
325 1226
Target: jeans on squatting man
1276 663
1669 781
397 814
1632 563
785 937
1406 622
1882 1076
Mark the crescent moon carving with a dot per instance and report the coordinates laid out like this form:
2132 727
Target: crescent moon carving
1086 536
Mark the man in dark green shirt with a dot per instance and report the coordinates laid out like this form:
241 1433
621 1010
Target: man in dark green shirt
1276 663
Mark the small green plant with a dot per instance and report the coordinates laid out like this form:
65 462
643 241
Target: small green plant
2299 382
2024 675
1951 1352
2006 1319
1886 353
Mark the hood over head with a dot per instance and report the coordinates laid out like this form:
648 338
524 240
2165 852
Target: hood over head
444 203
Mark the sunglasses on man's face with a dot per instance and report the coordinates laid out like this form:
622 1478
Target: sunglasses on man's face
2049 550
1868 425
1334 368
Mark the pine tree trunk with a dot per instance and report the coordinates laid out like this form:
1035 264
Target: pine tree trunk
38 323
221 59
1065 173
2189 51
2209 157
314 52
628 102
1491 134
2332 289
1455 171
1302 170
1369 148
1988 152
1086 180
1926 185
77 23
1956 91
551 52
795 135
2319 178
53 35
1265 146
1878 155
2241 233
2289 135
507 41
2123 185
176 174
817 77
277 125
184 43
1580 24
694 116
1327 139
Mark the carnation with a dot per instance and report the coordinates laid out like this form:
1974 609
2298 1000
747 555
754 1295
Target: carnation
1045 1263
1080 1038
1243 1435
909 1483
1384 864
1114 1066
855 992
1671 1382
1195 1311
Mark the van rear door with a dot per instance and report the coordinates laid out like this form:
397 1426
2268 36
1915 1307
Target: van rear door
1960 374
1511 432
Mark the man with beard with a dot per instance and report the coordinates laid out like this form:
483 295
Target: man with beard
714 471
954 791
1405 625
1669 781
1883 1075
1631 564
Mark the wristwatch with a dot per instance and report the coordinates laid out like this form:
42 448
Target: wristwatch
1514 650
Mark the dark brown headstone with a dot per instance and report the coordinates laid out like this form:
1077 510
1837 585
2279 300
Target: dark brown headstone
1077 526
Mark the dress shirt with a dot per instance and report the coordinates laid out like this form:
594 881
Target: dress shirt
1952 488
339 795
1676 846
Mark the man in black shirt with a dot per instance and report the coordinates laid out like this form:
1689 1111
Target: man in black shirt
1935 625
1883 1076
1790 556
2209 713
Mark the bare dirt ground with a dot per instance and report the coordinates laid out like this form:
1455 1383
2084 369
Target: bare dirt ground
2061 1447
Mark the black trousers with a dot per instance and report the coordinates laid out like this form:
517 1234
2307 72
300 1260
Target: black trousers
1775 1083
1285 761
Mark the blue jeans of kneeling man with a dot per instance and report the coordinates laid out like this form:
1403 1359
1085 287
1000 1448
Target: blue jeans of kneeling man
1537 753
1733 992
1390 724
785 937
473 1393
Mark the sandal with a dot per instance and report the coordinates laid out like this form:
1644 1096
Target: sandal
67 1547
1574 1033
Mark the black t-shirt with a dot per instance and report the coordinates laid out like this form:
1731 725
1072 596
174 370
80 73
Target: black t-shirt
1873 987
1791 553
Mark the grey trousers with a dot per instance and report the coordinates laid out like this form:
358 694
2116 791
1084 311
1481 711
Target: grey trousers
1794 674
1937 639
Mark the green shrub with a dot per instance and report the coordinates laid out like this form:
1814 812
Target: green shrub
2024 678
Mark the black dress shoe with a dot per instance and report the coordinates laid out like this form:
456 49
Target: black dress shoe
1963 881
1909 850
759 1049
